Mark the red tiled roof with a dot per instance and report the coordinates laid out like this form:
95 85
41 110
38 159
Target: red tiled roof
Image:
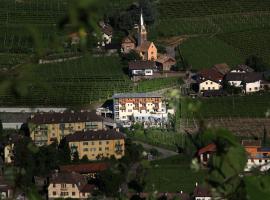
211 74
209 148
85 168
141 64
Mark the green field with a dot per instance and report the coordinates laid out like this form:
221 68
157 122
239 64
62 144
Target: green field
157 84
203 52
255 105
172 174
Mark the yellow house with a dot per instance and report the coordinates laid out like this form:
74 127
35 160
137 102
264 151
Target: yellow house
69 185
49 127
97 144
147 51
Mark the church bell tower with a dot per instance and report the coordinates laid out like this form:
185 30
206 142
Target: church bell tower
142 33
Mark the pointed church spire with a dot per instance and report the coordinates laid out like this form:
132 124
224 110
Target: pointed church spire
142 22
142 33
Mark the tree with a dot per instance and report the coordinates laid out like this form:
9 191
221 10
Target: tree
1 127
149 11
64 152
75 157
256 63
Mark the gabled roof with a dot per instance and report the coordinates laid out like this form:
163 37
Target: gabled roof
95 135
248 77
65 117
107 29
209 148
222 68
243 68
128 39
210 74
141 64
162 58
85 168
144 46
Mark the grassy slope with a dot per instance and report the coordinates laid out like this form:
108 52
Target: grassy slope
203 52
240 106
172 174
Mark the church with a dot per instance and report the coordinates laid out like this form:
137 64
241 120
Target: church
146 49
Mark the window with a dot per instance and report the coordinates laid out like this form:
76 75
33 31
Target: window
206 83
211 82
260 161
100 149
100 143
63 186
213 88
209 88
79 127
73 193
85 149
93 143
53 185
85 143
73 185
54 193
256 88
107 142
202 88
106 148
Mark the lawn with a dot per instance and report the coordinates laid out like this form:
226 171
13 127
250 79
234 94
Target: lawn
204 52
255 105
172 174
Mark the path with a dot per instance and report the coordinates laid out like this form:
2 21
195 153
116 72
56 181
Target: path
165 153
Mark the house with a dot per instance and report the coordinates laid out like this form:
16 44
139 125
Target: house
258 156
242 69
106 33
90 170
6 190
209 79
13 120
46 128
97 144
248 81
202 193
69 185
205 153
139 107
222 68
165 62
75 37
128 44
9 147
142 67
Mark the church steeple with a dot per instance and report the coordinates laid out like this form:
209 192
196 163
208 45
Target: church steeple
142 33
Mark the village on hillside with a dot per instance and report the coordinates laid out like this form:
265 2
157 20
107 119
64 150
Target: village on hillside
140 100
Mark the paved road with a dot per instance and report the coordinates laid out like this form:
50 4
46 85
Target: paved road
164 152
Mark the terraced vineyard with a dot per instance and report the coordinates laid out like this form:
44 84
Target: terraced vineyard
70 83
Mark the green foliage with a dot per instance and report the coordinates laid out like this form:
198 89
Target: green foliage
172 174
256 63
64 152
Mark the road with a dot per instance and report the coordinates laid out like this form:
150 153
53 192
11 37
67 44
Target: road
165 153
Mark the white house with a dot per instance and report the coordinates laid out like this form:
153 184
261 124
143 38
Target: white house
209 79
248 81
139 107
106 33
142 68
262 164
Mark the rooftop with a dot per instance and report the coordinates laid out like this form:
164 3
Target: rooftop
209 148
248 77
211 74
65 117
251 143
95 135
85 168
141 64
136 95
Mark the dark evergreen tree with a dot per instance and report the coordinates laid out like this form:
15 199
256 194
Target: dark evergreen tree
64 153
